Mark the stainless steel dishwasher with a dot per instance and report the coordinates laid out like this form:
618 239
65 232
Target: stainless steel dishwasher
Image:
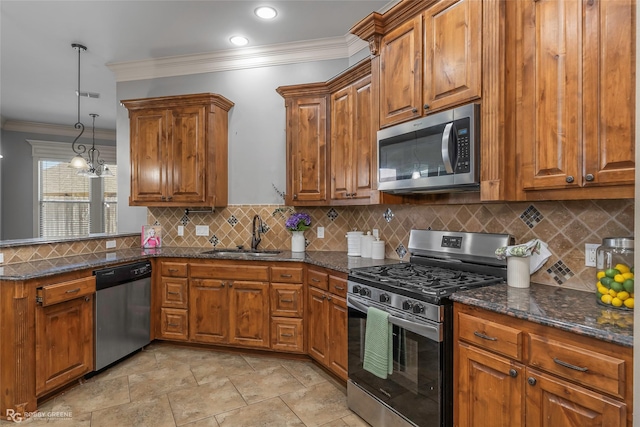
123 311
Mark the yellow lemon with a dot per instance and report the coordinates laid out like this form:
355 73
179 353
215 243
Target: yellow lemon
628 303
603 290
606 299
623 295
618 278
622 268
626 275
616 302
600 274
612 293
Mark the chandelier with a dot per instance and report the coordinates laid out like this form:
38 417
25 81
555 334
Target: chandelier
91 165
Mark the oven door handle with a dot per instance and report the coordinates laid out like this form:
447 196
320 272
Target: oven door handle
432 332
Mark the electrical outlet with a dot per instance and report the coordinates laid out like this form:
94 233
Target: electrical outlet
376 233
181 230
590 254
202 230
110 244
1 257
320 232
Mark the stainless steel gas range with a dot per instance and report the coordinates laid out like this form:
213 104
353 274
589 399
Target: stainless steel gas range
418 391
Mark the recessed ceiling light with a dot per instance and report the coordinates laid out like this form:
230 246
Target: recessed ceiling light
239 40
266 12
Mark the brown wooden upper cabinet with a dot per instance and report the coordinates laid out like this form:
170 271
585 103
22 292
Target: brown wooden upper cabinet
430 62
576 101
179 150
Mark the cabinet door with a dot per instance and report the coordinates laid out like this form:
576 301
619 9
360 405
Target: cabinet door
488 389
552 403
337 318
64 342
308 150
453 53
317 325
341 143
249 313
363 146
174 324
286 300
209 311
609 91
148 139
186 162
401 73
174 292
550 140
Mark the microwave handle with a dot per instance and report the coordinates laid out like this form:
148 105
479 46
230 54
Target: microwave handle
446 153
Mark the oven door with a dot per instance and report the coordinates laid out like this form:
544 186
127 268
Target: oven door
415 388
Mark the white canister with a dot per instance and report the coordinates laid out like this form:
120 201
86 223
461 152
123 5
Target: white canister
365 245
377 249
353 243
518 275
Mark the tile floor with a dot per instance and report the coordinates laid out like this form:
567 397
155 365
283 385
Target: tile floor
169 385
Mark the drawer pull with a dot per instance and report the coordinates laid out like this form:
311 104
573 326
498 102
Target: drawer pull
340 288
72 291
173 325
314 280
484 337
173 293
173 270
569 365
286 335
286 300
286 276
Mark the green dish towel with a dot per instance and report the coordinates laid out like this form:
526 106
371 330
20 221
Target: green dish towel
378 344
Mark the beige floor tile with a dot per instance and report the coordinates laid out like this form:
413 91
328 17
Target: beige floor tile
161 381
263 362
265 384
306 372
221 365
169 355
349 421
92 396
318 405
203 401
143 361
207 422
272 412
153 412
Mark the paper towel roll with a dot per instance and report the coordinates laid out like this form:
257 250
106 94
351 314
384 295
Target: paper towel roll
377 249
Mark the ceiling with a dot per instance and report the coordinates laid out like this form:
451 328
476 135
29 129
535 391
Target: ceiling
38 66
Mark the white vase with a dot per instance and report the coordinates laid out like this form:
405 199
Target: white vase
297 241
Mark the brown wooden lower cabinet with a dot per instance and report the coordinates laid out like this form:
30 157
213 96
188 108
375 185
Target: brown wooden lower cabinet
174 324
511 372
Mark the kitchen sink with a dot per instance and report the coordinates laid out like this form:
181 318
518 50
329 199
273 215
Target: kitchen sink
248 252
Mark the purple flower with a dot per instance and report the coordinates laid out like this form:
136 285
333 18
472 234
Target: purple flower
298 221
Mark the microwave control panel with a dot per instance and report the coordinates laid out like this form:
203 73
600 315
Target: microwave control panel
463 148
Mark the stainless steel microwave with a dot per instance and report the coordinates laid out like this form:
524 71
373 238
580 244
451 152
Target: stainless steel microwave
435 154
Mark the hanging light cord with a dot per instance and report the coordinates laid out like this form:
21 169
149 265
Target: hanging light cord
79 148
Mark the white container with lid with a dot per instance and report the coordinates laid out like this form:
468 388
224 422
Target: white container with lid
377 249
354 239
365 245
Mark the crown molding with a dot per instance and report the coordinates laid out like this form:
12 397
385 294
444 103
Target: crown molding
59 130
236 59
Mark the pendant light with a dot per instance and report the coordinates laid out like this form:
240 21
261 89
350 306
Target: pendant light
78 161
96 167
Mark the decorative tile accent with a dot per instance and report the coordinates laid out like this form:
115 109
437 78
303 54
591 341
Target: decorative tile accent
560 272
531 216
332 214
388 215
401 250
156 223
265 227
232 220
214 240
185 219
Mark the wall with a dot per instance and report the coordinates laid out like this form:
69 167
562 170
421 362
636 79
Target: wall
565 226
17 181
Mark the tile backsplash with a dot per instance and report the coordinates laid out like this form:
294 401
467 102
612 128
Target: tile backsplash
566 226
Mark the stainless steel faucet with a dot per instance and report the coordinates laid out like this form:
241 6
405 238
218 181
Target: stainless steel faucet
255 233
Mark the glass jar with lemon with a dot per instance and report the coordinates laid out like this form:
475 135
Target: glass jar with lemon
615 276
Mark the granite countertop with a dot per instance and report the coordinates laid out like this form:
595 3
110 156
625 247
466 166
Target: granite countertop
566 309
338 261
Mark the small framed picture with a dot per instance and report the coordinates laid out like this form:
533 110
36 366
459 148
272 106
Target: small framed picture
151 236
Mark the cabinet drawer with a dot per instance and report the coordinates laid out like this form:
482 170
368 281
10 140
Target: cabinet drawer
66 291
286 300
174 324
491 336
287 335
175 292
231 271
173 269
286 274
318 279
338 286
590 368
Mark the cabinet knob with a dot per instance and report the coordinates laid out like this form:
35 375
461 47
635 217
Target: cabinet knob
328 298
231 284
222 285
426 106
295 196
169 197
532 381
513 373
569 179
415 110
87 299
324 296
589 177
162 197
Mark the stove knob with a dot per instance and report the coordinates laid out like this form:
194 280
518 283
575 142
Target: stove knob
356 289
407 305
365 292
418 309
385 298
